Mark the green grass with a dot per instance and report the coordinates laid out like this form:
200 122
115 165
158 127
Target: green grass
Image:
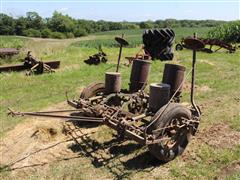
12 42
220 72
180 32
209 163
134 37
133 42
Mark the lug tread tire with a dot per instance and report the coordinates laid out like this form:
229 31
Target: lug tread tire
158 43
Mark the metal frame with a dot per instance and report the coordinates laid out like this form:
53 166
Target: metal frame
133 126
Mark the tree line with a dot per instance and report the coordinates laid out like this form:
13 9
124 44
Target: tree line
63 26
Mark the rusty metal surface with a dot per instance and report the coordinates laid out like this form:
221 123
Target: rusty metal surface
159 96
147 118
207 42
139 74
32 65
112 82
127 124
173 75
21 67
194 43
121 41
8 52
221 44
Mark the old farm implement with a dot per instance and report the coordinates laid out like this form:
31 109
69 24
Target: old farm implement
100 57
32 65
156 119
157 45
8 52
211 43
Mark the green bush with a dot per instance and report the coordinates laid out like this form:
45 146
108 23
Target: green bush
229 32
80 32
57 35
32 33
46 33
70 35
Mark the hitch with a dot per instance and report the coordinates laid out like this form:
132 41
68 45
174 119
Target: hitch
48 114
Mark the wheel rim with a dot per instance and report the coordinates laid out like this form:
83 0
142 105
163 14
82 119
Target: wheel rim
174 135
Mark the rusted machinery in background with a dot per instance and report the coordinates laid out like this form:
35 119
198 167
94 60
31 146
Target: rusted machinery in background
157 45
97 58
32 65
156 119
8 52
211 43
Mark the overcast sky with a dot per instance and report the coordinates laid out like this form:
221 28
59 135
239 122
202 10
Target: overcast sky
132 10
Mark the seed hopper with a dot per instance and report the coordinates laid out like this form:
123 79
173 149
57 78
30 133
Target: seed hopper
156 118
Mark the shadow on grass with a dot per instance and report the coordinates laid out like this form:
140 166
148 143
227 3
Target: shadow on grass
121 158
84 124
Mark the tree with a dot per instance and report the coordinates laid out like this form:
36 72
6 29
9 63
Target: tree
34 21
61 23
146 25
6 25
80 32
63 26
46 33
32 33
20 25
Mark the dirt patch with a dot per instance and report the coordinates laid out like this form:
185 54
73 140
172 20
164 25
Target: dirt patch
229 170
220 136
69 67
37 142
217 136
27 138
32 146
207 62
35 145
203 88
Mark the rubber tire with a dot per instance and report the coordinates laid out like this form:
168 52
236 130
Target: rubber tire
172 111
92 90
178 47
158 43
104 60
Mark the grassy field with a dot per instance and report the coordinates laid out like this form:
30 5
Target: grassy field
134 37
213 153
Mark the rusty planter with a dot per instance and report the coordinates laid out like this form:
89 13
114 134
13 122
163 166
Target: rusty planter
159 96
174 75
139 74
112 82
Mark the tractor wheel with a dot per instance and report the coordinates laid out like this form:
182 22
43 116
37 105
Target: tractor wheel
104 60
179 47
158 43
207 50
92 90
175 137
